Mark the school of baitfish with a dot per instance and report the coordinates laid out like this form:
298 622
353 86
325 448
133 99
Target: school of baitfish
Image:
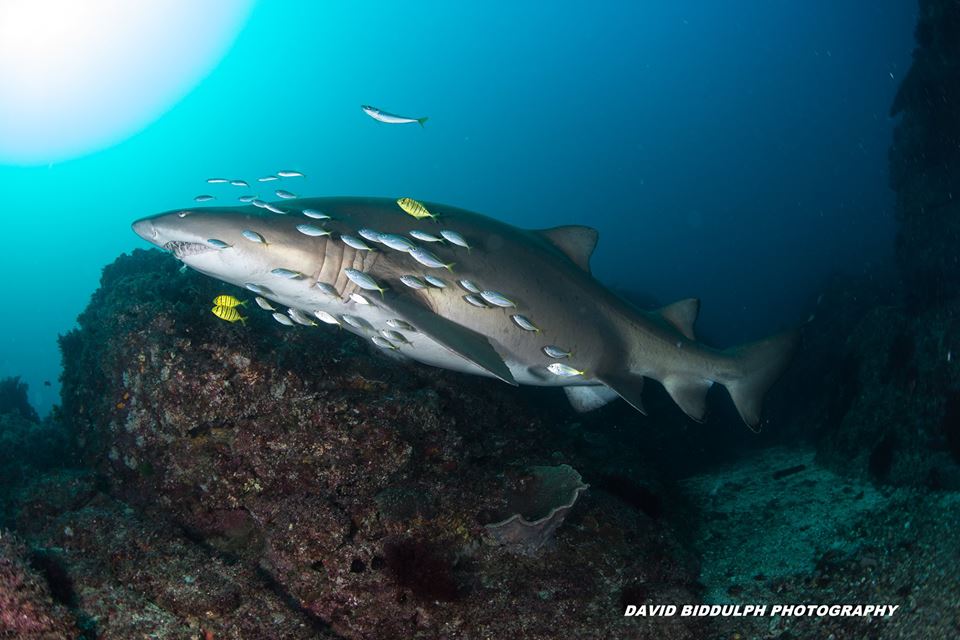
462 291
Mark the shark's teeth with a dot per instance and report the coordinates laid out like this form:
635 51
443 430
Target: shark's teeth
182 249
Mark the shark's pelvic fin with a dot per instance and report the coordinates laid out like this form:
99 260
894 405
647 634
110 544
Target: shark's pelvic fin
757 366
585 399
682 314
576 242
690 394
628 386
464 342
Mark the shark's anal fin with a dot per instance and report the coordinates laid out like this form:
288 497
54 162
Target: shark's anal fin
576 242
584 399
627 386
464 342
681 315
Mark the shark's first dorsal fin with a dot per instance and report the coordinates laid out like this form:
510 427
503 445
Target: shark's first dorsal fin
681 315
576 242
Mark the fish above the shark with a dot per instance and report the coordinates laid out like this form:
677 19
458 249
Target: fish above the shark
537 283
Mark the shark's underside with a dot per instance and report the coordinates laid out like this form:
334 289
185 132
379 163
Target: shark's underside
517 305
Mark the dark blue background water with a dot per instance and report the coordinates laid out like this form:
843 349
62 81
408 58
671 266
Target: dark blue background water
733 150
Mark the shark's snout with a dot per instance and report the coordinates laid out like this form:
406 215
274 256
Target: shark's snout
146 230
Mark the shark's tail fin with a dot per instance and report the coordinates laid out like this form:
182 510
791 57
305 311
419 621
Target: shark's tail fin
756 366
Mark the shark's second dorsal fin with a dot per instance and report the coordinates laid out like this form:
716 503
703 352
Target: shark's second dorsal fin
681 315
576 242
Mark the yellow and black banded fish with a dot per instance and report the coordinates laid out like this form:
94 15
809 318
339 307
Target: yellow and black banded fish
228 301
230 314
415 209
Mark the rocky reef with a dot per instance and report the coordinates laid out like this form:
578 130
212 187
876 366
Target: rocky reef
266 481
890 410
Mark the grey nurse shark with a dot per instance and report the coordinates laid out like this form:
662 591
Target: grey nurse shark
608 347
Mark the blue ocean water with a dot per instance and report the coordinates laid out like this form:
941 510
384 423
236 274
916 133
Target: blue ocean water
733 151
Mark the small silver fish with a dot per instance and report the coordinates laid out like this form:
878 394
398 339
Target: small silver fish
300 317
217 181
355 322
328 289
369 234
469 286
403 325
525 323
253 236
257 202
246 199
394 336
389 118
413 282
286 195
398 243
563 370
282 319
219 244
476 301
258 288
427 259
424 236
290 173
455 238
554 351
359 299
435 281
288 274
312 231
383 343
267 179
264 304
203 198
323 316
239 183
497 298
363 280
315 214
274 208
356 243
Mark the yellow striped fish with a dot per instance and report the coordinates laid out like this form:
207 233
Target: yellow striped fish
230 314
415 209
228 301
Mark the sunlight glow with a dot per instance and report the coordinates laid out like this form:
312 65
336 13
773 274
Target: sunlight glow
80 75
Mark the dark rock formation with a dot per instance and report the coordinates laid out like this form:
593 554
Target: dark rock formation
356 486
892 411
925 158
27 607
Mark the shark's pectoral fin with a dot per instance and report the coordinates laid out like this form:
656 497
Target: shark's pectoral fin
585 399
682 314
464 342
627 386
576 242
690 394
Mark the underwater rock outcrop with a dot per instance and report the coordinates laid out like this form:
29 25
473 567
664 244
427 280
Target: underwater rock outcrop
893 410
356 486
925 158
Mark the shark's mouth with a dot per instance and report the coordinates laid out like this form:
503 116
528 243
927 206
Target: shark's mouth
182 249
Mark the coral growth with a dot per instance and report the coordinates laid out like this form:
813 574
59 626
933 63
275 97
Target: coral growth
538 508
